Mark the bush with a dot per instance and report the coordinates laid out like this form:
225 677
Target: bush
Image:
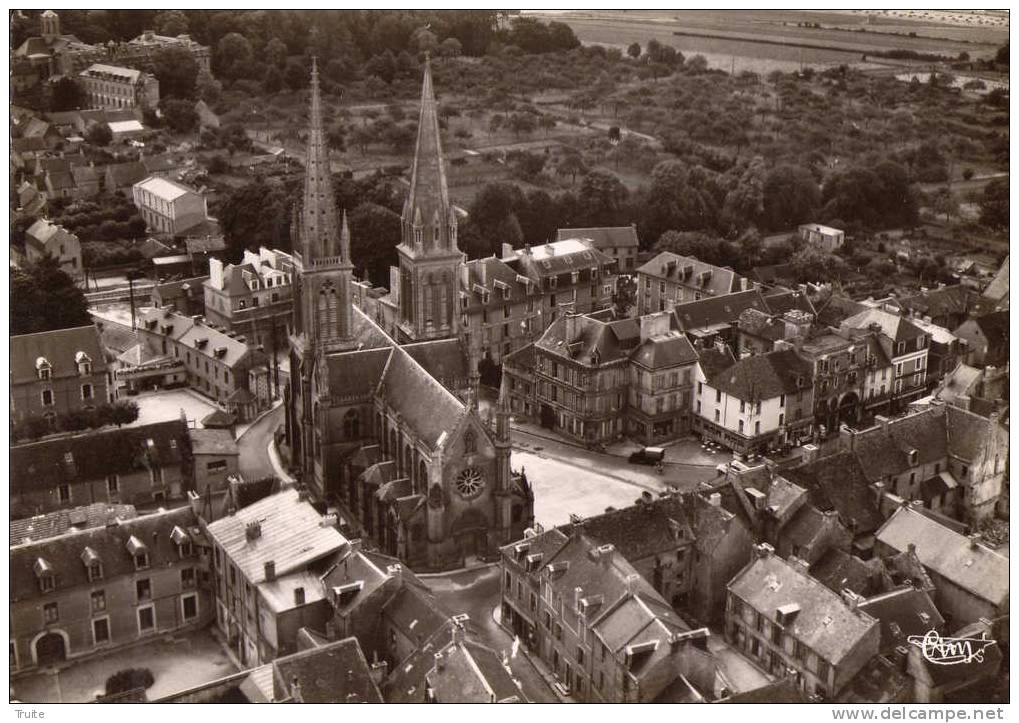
129 679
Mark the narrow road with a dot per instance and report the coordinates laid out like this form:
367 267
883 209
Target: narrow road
476 592
254 460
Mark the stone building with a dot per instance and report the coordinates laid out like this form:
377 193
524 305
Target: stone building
169 207
253 298
784 619
669 279
136 465
394 432
617 242
596 380
56 372
87 592
46 238
109 86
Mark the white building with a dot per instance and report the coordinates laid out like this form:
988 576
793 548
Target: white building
169 207
823 237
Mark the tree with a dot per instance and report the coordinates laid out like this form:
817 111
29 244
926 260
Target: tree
257 214
634 50
98 134
492 220
233 56
129 679
171 22
450 48
791 197
603 198
744 201
273 80
994 204
66 94
336 136
176 71
521 123
812 264
625 296
374 236
571 164
944 203
1001 57
702 246
276 52
44 298
362 137
382 66
296 75
424 40
207 88
179 115
682 197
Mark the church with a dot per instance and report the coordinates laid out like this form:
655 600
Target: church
388 429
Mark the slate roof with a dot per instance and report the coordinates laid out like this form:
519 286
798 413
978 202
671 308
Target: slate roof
42 232
212 441
486 272
838 570
838 482
603 237
714 361
972 670
945 301
994 327
612 341
291 535
883 453
164 188
95 454
666 350
444 359
977 569
470 672
824 622
357 372
423 403
780 301
723 281
64 553
415 612
902 613
558 257
782 691
895 327
59 347
764 376
966 431
53 524
719 310
333 673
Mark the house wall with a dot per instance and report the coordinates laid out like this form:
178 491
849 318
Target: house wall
27 398
137 488
76 613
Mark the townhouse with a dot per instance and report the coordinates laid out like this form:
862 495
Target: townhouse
110 86
169 207
617 242
669 279
90 591
56 372
253 298
44 238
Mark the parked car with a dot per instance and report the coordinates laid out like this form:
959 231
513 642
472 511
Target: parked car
648 455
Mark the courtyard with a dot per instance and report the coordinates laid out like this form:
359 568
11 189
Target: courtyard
177 662
165 405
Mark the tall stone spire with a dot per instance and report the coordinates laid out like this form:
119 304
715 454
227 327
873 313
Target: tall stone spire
429 221
344 238
319 230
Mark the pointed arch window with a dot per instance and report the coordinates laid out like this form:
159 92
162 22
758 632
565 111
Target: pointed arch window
351 424
470 443
327 309
418 232
452 235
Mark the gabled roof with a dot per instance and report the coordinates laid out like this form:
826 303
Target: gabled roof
893 326
603 237
998 288
164 188
764 376
109 543
555 258
357 372
824 622
967 432
717 310
885 452
59 348
838 570
470 672
669 266
902 613
43 232
333 673
112 72
423 403
837 482
971 566
444 359
95 454
415 612
291 534
947 300
53 524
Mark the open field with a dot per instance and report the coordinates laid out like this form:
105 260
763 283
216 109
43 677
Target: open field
844 37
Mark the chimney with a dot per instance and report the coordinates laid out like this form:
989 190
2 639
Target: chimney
395 571
911 548
763 550
270 570
799 564
507 251
631 583
901 658
847 438
295 690
440 661
379 671
851 599
578 592
974 540
879 491
457 633
809 453
253 531
715 499
882 421
355 544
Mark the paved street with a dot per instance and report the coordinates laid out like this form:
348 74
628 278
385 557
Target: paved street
476 592
253 444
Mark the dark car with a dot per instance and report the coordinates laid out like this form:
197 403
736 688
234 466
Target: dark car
648 455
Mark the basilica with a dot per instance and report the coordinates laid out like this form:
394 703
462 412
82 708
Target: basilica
385 424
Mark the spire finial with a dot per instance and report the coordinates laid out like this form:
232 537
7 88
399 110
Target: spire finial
345 238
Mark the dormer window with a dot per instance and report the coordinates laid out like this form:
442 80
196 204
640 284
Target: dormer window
90 559
182 540
139 552
44 574
343 594
594 273
43 369
84 363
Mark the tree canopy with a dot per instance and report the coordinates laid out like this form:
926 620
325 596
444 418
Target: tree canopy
44 298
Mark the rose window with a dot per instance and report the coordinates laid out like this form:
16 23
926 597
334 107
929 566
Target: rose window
470 482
